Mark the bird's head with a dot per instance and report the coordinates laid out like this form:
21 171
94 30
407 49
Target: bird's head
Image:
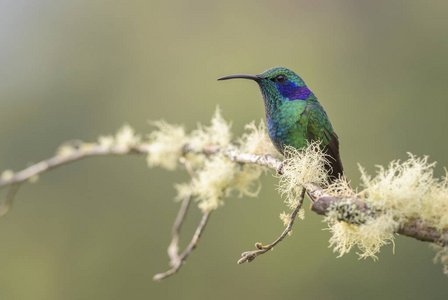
278 85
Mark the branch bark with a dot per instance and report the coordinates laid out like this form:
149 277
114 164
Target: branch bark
194 242
416 229
59 160
173 248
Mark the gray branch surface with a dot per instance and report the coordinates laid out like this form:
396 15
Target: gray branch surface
416 229
322 201
179 260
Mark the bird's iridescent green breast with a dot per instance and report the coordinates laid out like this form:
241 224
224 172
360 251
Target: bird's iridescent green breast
295 123
287 125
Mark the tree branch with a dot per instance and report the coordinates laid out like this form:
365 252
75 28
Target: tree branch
173 248
59 160
251 255
85 150
194 242
416 229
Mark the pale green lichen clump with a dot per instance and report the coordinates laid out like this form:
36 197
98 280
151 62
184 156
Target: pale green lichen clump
301 167
213 182
401 192
215 176
218 177
256 140
441 256
368 237
7 175
346 210
166 145
407 190
218 133
125 137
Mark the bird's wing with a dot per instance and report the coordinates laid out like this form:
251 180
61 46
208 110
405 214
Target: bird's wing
332 149
319 128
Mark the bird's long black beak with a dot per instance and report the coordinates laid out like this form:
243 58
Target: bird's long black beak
244 76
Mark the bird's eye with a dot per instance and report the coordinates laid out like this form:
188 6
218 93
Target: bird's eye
280 78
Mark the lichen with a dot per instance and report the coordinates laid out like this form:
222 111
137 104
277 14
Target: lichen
183 190
340 187
106 141
247 181
166 145
368 237
301 167
215 176
256 140
212 183
65 150
126 137
408 189
401 192
7 175
346 210
441 256
218 133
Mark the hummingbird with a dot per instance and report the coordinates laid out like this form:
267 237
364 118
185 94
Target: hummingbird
294 116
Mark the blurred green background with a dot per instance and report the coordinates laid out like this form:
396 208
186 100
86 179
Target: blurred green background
99 228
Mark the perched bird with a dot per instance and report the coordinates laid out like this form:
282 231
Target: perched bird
294 116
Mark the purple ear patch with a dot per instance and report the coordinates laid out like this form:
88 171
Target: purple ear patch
293 92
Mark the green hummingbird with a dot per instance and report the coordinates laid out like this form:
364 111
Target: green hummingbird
294 117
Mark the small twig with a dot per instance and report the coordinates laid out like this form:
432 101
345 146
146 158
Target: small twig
251 255
173 248
59 160
6 205
86 150
188 250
